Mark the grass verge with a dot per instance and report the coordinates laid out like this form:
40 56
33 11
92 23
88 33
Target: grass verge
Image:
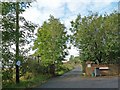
24 84
36 80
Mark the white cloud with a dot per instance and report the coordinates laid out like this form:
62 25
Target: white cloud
66 10
41 9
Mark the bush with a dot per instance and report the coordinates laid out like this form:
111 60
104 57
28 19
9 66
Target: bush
27 76
61 69
7 75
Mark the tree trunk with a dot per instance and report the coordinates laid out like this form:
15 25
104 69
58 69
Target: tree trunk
52 69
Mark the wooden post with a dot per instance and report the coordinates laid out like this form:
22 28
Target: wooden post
17 41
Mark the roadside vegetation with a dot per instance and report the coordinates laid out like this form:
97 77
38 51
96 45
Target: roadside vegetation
34 76
95 36
49 46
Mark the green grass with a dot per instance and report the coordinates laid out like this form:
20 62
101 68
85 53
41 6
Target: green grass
60 72
64 68
33 82
36 80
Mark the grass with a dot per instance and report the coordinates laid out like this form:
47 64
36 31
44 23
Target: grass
36 80
33 82
64 68
59 73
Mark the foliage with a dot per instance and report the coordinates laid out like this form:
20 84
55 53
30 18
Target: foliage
97 37
51 41
26 30
30 67
75 60
33 82
64 68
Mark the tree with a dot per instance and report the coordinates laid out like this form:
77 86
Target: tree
95 36
51 42
72 57
9 35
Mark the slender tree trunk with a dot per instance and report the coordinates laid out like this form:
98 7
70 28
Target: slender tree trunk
17 41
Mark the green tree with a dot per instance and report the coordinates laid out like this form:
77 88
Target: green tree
8 27
95 36
51 42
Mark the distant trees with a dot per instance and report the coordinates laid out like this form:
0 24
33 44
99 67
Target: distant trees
75 60
97 37
71 57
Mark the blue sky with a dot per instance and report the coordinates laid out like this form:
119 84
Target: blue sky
67 10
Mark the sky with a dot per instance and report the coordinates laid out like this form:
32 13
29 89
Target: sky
67 10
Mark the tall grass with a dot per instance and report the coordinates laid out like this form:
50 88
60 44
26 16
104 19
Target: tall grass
30 83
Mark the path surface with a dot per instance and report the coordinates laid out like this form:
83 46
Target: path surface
73 79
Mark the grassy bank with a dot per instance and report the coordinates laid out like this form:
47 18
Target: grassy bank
37 80
33 82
